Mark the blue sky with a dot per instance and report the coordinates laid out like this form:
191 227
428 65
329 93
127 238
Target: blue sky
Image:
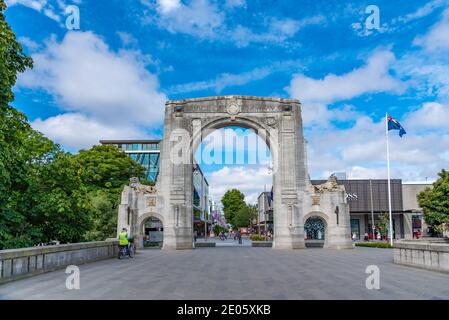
110 79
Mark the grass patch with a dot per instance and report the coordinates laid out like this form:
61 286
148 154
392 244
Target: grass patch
383 245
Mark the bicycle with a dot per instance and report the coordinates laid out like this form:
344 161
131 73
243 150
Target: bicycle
125 251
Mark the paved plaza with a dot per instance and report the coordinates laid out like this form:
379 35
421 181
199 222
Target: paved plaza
230 272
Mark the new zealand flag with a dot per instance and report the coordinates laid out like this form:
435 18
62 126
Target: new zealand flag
394 124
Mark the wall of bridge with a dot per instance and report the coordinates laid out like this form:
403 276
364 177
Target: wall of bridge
25 262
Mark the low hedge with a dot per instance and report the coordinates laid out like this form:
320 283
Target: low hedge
256 237
383 245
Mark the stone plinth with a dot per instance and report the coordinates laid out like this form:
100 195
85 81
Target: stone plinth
431 255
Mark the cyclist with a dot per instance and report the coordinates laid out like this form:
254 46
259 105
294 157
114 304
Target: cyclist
123 243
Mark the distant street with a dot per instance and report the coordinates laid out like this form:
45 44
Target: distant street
230 242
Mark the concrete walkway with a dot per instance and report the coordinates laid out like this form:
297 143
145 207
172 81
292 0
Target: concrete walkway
238 273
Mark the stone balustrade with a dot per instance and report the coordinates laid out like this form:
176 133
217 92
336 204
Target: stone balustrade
25 262
426 254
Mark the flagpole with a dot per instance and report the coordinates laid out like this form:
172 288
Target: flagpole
390 231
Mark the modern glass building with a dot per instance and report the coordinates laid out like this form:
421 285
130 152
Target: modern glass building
145 152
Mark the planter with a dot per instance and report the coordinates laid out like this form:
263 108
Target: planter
204 244
268 244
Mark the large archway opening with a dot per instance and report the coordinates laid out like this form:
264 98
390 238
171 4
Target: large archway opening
153 233
232 158
315 232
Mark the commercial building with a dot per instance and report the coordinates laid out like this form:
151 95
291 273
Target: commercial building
368 200
264 219
201 201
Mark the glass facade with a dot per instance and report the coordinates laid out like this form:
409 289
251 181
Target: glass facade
150 161
147 154
355 228
138 146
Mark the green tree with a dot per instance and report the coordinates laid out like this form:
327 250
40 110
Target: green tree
103 220
45 193
217 229
21 148
435 201
61 205
106 167
384 221
12 59
106 170
233 200
245 216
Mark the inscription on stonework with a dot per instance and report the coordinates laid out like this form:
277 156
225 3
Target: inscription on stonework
151 202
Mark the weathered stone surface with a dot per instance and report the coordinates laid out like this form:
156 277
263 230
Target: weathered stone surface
239 273
277 121
19 263
430 255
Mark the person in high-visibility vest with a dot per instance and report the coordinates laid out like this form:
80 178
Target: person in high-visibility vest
123 241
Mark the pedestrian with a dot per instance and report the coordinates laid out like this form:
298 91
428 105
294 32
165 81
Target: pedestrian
195 235
366 237
354 237
239 236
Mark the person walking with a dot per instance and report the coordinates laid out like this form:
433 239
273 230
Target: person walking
195 235
239 236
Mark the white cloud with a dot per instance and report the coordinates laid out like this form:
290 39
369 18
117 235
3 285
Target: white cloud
127 39
199 18
37 5
205 19
84 76
278 31
438 37
371 78
225 80
423 11
235 3
42 6
29 43
360 149
428 73
75 131
431 115
250 181
165 6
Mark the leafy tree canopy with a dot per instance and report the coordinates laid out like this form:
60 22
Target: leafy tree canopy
105 166
244 216
435 201
45 193
233 200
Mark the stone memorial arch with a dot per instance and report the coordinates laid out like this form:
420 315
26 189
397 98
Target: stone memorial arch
278 121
